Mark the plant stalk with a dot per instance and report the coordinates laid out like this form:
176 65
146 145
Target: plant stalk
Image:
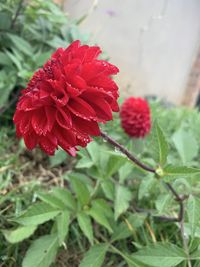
180 219
127 153
180 199
20 4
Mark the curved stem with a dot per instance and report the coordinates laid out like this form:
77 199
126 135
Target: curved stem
180 219
127 153
20 4
180 199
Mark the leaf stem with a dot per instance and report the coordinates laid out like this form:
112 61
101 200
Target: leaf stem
180 219
179 198
127 153
16 14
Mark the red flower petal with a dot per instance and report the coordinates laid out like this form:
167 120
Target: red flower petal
83 126
47 145
101 107
77 82
18 116
24 124
66 138
97 68
50 115
39 122
71 151
81 108
30 140
72 47
63 118
25 104
103 81
72 92
91 54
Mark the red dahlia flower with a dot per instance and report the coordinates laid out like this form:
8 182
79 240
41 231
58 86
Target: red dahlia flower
66 99
136 117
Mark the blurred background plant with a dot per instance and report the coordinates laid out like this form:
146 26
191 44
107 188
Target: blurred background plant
29 33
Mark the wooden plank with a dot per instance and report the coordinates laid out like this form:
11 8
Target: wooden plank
192 90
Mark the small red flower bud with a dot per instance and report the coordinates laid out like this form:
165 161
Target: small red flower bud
135 117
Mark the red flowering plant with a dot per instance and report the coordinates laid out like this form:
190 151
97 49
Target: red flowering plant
66 99
136 117
64 105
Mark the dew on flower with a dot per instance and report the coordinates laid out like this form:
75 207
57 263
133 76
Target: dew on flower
135 117
64 105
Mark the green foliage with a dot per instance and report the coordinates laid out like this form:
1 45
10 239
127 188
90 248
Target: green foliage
166 255
159 144
85 224
186 144
29 33
100 209
95 256
37 214
63 221
193 208
122 198
19 234
42 252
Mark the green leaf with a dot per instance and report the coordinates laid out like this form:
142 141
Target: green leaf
14 59
38 214
5 20
146 186
81 191
6 86
103 206
62 222
4 59
187 229
81 177
195 256
85 224
65 196
160 145
128 227
186 144
193 211
122 231
40 59
197 264
21 44
84 163
165 255
116 160
56 42
42 252
100 213
122 198
162 203
52 200
125 171
132 262
59 157
92 149
19 234
95 256
180 171
108 189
